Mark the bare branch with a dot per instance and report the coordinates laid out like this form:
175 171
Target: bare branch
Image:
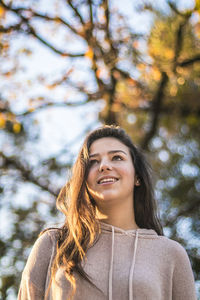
179 42
32 31
91 12
76 11
47 105
175 9
126 75
107 15
156 108
55 19
26 20
189 61
27 174
11 28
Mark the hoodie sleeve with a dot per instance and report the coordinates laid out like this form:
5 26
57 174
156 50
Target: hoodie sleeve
34 276
183 280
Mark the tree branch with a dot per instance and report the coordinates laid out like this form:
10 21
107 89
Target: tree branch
91 12
179 42
189 61
11 28
156 108
55 19
107 15
47 105
25 20
32 31
175 9
76 11
26 174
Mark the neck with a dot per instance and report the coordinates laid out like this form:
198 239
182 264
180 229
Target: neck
116 218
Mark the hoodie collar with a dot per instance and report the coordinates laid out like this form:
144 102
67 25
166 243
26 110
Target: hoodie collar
141 231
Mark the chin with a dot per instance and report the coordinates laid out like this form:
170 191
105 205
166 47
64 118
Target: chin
105 198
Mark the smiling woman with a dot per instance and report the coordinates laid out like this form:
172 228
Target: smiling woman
111 179
111 245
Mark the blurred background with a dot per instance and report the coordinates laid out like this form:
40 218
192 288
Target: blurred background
66 67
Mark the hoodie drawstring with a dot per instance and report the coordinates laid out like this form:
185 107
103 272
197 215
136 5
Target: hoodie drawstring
131 269
111 265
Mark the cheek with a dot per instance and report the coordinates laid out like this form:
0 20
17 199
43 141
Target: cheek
128 170
129 175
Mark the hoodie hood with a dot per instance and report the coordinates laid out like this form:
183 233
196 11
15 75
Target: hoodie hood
142 232
107 228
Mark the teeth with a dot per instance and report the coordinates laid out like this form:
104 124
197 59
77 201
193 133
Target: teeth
107 180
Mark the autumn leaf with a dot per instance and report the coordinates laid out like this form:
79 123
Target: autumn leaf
89 54
197 5
98 73
16 127
181 80
2 12
2 121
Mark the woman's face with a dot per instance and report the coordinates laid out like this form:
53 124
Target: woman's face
111 175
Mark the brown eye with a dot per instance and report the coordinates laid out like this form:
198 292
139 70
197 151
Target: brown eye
117 157
93 162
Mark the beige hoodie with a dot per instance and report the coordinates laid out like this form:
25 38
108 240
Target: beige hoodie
123 265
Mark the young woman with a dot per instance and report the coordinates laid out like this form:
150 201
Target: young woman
111 245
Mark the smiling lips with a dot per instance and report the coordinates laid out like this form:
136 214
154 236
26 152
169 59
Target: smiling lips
107 180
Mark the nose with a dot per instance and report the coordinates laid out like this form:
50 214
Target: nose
105 165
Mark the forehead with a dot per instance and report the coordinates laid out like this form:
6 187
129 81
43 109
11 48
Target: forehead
107 144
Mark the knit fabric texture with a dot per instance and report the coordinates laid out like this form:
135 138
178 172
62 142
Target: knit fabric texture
123 265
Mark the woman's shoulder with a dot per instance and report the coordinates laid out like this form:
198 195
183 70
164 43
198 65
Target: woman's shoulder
45 244
41 256
51 234
42 250
173 248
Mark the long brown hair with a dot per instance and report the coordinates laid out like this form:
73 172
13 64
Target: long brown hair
81 226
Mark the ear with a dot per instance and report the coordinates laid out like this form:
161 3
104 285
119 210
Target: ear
137 181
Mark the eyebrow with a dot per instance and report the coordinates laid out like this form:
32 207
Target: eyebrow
109 152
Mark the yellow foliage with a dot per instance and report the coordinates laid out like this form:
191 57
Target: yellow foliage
116 107
98 73
197 29
181 80
2 121
10 117
154 51
7 74
51 86
141 67
31 109
173 91
197 5
106 97
120 87
16 127
130 81
2 11
179 70
89 54
169 53
156 74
